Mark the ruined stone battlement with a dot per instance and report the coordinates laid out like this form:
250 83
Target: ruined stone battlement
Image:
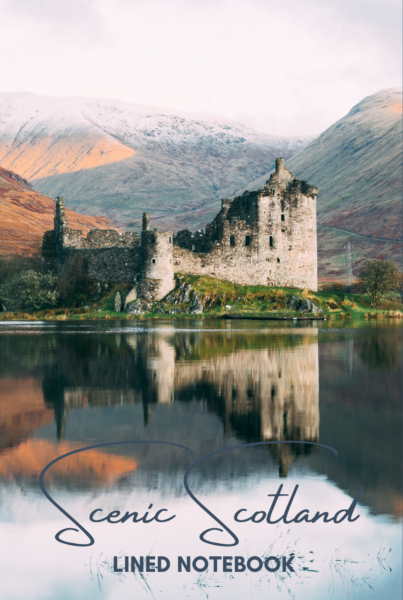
109 254
263 237
95 238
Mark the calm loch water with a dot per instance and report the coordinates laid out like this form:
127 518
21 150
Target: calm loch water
207 386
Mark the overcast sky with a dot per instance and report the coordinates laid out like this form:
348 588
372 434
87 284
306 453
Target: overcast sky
290 68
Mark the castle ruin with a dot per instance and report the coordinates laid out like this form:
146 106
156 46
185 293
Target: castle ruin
264 237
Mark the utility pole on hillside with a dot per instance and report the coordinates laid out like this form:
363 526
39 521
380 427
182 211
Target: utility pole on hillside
349 265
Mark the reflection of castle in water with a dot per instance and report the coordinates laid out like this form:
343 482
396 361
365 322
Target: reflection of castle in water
259 394
262 395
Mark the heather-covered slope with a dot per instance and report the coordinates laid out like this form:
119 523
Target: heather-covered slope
25 215
120 159
357 166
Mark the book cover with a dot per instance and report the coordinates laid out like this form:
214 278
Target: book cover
200 300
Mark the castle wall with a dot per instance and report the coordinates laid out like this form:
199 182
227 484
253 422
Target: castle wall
260 238
289 262
109 254
99 238
232 263
108 264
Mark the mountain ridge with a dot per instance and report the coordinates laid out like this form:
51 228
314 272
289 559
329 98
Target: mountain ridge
174 164
178 165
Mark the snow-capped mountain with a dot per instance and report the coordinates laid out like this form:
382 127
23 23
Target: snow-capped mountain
120 159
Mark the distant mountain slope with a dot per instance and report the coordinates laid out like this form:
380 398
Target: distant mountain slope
25 215
357 166
120 159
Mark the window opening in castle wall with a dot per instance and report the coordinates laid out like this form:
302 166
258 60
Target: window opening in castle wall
247 240
232 240
271 242
283 217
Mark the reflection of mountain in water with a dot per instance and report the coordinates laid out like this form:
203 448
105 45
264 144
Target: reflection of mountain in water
21 409
89 468
259 395
361 416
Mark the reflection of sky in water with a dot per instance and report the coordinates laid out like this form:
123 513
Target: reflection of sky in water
345 557
208 390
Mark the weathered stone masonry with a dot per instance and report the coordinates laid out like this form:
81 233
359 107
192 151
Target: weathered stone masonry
267 237
110 255
156 277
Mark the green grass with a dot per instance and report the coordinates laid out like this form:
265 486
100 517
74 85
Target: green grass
267 301
217 295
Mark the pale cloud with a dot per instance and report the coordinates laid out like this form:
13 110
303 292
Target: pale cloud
54 19
286 68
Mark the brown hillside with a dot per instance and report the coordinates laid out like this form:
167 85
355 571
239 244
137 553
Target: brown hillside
25 215
49 155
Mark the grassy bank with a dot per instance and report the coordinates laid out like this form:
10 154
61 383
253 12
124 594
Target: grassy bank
218 298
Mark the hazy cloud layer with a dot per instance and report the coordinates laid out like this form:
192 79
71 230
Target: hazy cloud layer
286 68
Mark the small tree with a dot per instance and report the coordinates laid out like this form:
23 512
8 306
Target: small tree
378 277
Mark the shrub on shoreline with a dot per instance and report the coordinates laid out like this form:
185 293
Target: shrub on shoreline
29 290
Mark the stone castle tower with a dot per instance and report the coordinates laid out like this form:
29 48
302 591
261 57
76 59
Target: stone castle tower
157 270
264 237
267 237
